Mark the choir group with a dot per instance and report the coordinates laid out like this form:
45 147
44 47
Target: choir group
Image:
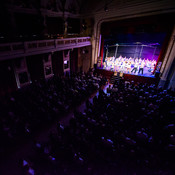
129 65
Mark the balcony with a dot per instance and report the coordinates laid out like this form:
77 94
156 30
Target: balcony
21 49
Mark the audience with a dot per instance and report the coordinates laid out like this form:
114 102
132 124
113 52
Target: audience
27 110
128 129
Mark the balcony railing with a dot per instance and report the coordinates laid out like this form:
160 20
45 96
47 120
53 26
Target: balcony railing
20 49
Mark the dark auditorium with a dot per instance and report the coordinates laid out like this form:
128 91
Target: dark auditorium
87 87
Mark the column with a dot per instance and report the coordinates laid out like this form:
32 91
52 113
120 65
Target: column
116 50
95 42
168 60
172 78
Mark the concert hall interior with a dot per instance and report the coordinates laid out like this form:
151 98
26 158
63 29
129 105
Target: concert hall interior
87 87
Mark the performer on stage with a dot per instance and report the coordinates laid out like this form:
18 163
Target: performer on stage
108 63
135 66
153 64
128 67
122 66
132 63
141 66
115 65
104 65
118 64
149 65
140 60
112 66
106 60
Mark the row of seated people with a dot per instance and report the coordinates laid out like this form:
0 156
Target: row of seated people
26 110
129 130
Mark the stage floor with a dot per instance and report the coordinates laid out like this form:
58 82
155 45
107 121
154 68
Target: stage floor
146 73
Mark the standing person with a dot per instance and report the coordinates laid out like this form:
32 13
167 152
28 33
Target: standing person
104 65
118 65
128 69
136 64
141 67
106 62
149 65
140 60
122 67
115 64
112 66
153 64
132 63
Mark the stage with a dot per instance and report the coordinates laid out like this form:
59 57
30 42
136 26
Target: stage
146 72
